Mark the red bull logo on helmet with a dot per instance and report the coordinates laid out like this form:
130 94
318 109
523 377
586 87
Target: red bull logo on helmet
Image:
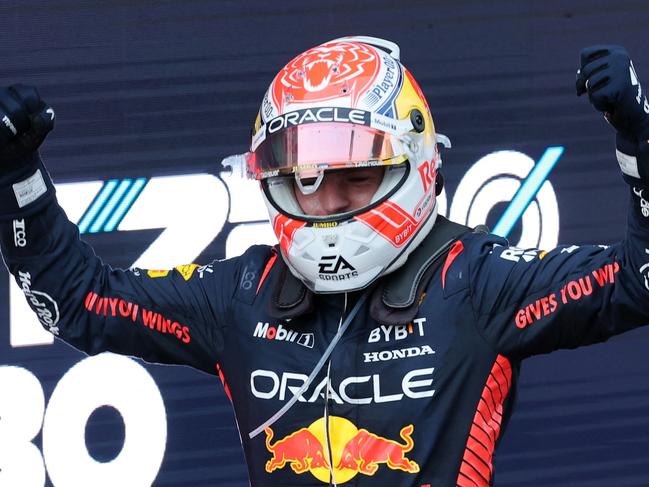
352 451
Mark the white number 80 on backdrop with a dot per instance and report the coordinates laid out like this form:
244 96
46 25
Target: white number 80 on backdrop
90 384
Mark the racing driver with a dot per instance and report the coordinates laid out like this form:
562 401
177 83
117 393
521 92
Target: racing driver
393 336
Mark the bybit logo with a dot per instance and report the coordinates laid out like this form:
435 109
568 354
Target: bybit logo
388 333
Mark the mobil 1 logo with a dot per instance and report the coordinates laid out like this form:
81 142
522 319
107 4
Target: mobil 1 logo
281 333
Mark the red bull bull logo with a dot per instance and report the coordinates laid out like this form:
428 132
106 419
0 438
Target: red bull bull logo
301 449
366 450
353 451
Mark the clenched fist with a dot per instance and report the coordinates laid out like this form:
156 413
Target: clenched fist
608 76
25 121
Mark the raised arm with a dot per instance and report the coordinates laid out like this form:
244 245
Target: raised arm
530 302
171 316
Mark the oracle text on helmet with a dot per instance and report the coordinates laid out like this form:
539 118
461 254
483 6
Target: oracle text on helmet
325 114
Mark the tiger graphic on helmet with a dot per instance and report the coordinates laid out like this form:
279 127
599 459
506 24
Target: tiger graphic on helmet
327 72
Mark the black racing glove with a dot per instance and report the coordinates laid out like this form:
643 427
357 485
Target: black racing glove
608 76
25 121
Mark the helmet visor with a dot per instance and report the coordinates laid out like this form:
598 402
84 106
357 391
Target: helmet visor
312 148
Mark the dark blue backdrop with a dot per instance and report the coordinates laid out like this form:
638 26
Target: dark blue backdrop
150 88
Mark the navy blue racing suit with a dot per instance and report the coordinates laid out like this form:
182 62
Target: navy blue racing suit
418 403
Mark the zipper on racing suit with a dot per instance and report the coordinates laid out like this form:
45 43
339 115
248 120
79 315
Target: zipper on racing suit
332 481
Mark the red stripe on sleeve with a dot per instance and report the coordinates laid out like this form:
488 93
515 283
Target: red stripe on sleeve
469 472
489 398
484 423
480 450
477 467
482 436
478 464
464 481
503 372
496 388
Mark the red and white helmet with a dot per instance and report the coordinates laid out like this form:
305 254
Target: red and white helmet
347 103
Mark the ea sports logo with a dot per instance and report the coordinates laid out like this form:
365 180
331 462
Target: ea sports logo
330 265
335 268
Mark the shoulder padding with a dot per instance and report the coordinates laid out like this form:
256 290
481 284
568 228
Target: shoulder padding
395 299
